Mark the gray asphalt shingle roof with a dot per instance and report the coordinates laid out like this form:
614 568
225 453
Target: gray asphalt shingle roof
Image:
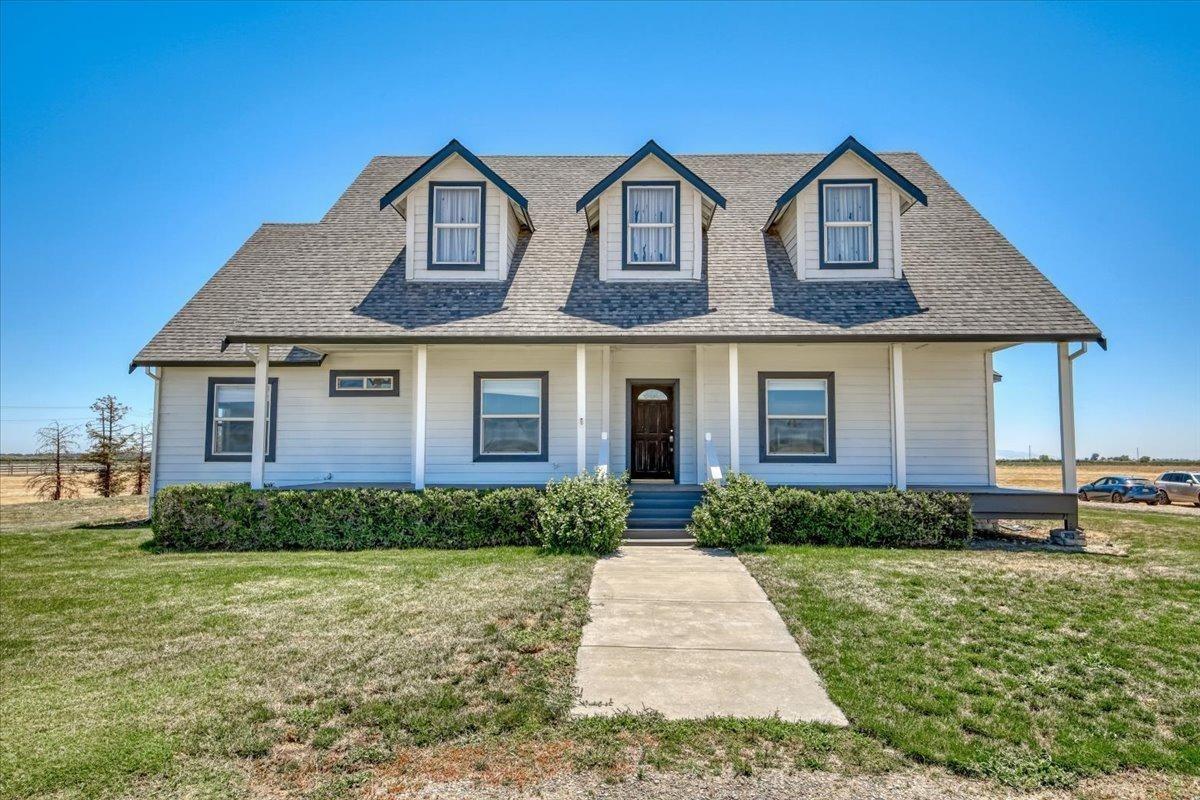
343 278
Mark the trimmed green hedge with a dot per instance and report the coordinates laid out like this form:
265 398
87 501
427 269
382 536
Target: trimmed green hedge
589 512
745 512
887 518
236 517
736 514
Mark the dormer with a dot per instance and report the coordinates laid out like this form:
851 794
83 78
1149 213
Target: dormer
651 213
462 219
841 220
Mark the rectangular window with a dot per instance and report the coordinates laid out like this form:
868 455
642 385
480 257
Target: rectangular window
796 416
456 225
510 416
230 430
651 229
848 236
364 383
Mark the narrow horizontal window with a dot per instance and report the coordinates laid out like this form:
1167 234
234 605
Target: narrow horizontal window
456 225
796 418
350 383
510 419
848 224
651 225
230 430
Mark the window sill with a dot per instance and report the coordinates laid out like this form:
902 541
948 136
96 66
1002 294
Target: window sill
484 458
234 459
781 459
477 267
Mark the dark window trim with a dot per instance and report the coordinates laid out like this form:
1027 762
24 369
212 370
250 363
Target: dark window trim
479 265
209 455
831 427
674 266
334 374
629 384
476 424
874 262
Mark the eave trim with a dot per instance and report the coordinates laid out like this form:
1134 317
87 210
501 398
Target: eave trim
454 147
854 146
650 148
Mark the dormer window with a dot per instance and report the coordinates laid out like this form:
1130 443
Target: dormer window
456 225
651 212
849 237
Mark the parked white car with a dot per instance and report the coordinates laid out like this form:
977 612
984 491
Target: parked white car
1180 487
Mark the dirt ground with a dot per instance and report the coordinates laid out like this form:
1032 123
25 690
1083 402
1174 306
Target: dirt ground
1049 476
14 491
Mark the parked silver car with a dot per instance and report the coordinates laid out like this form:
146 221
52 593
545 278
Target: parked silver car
1179 487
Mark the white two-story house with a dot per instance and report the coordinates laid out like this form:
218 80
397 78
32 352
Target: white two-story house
812 319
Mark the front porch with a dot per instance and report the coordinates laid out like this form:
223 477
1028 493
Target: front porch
909 415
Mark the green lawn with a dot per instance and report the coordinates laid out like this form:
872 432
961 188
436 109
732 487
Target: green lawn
130 673
1030 668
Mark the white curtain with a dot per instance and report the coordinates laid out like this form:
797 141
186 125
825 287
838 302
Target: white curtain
848 203
456 204
651 205
459 206
457 245
848 243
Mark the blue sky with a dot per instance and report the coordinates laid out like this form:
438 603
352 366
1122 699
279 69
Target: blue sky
140 145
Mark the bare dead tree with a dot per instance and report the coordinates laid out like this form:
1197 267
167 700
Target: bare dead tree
109 440
57 441
139 450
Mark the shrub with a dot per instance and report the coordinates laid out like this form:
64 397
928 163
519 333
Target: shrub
235 517
588 512
737 514
871 519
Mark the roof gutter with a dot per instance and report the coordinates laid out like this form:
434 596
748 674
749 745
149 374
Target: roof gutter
250 338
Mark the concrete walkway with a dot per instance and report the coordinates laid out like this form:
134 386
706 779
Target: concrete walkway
689 633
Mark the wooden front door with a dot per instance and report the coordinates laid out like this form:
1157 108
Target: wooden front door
652 432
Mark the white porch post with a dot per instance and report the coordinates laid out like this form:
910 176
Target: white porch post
258 443
701 457
989 383
580 409
734 454
1066 418
899 450
420 366
605 407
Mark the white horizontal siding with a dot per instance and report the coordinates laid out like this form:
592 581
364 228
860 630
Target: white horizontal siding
848 166
652 364
690 246
318 437
946 428
495 203
369 439
862 406
786 226
450 417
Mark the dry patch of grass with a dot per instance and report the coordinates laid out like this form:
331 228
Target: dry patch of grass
45 515
1049 476
13 490
1033 669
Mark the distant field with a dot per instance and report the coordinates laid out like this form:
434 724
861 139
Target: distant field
1049 476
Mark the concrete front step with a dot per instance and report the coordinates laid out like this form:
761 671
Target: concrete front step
668 532
657 522
673 536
